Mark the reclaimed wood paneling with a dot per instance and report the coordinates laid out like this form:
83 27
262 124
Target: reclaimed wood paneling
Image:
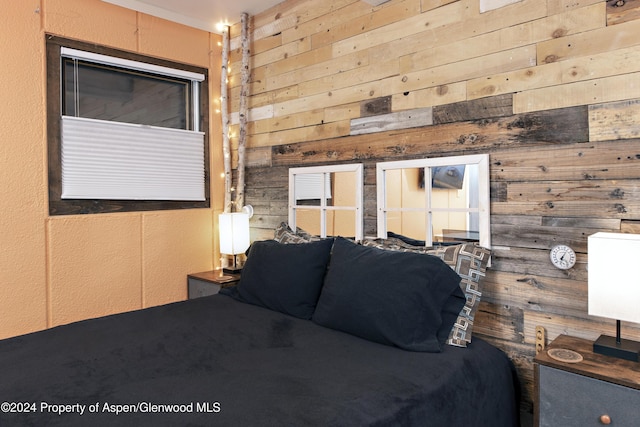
320 17
560 6
616 120
392 121
426 5
523 34
400 29
588 161
430 97
615 62
547 88
500 106
483 134
375 107
622 11
365 21
348 78
589 43
609 89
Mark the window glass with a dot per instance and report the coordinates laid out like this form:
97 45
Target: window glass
104 92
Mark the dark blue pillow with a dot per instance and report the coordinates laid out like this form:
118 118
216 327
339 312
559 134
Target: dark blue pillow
403 299
285 278
408 240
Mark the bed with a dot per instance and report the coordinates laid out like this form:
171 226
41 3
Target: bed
342 350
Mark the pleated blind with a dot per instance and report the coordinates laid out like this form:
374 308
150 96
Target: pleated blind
120 161
309 186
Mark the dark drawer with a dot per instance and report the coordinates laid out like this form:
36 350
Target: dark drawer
201 288
568 399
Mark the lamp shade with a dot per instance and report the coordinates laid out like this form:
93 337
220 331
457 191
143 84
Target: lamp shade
614 284
233 233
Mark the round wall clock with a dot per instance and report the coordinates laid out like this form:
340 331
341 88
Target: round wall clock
563 257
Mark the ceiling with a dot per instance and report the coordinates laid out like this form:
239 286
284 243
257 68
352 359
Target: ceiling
202 14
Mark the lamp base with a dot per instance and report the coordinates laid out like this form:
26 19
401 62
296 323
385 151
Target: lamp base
627 349
232 270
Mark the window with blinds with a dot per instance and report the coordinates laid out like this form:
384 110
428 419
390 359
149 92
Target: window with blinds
127 131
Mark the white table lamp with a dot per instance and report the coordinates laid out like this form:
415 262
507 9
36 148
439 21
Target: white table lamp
234 236
614 288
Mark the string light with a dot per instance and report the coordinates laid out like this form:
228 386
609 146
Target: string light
220 26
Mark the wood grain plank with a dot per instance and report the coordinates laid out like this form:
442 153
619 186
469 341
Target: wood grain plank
535 293
323 21
560 6
397 30
283 123
532 263
306 70
627 226
375 107
606 64
430 97
591 42
469 24
312 60
499 106
342 112
608 89
366 22
606 160
346 78
616 120
544 127
499 321
622 11
506 38
306 133
499 62
258 157
393 121
426 5
593 191
540 237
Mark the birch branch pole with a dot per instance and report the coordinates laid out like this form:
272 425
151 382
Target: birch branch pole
244 94
224 113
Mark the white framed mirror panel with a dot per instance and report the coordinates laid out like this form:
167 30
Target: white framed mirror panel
441 199
327 200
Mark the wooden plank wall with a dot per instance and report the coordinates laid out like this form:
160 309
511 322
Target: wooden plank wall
548 88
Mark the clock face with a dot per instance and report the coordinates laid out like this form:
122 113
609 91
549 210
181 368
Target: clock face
563 257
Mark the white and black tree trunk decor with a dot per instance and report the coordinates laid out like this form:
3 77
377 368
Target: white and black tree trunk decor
244 111
236 204
224 113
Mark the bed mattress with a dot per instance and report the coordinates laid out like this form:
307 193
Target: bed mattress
218 361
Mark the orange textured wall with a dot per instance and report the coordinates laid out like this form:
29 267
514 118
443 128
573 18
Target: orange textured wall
55 270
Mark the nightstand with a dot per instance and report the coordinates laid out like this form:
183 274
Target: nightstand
209 283
598 390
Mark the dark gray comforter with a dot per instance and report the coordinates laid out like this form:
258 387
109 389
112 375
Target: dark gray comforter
218 362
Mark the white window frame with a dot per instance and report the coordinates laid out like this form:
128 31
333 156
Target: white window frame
481 160
324 173
111 160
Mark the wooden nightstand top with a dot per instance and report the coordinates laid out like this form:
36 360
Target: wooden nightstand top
216 276
611 369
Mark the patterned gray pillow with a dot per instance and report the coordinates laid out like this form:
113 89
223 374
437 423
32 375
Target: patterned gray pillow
469 260
284 234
